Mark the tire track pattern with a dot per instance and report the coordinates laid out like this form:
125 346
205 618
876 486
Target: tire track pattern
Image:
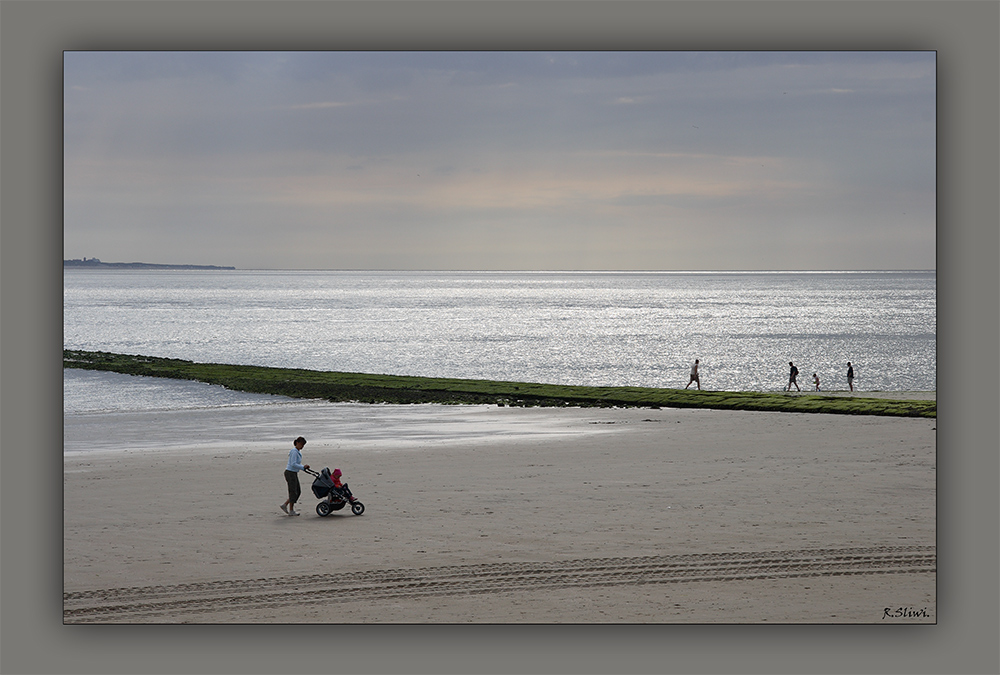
162 603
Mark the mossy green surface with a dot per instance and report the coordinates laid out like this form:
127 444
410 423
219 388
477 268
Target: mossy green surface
365 388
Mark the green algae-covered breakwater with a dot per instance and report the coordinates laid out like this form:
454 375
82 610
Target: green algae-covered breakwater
366 388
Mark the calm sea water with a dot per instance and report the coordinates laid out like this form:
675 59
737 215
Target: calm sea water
642 329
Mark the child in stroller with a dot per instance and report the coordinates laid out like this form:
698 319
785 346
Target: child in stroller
337 485
334 493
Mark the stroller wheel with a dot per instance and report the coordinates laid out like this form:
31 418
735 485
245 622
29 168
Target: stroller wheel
323 508
357 508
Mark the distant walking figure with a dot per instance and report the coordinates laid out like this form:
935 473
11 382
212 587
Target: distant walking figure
694 375
816 380
792 374
850 375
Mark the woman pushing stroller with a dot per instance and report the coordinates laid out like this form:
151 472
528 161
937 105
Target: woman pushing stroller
292 476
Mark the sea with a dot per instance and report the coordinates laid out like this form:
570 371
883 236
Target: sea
579 328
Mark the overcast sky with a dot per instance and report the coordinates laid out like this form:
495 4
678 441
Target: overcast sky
502 160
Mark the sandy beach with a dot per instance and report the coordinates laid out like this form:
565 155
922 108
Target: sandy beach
501 515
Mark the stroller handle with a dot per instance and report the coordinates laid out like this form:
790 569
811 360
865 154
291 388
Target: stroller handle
310 471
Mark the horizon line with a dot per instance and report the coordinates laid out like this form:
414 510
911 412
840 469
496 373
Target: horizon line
232 268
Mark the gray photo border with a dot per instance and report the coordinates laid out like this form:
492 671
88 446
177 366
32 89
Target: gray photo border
33 36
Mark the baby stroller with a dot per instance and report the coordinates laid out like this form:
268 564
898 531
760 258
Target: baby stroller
333 498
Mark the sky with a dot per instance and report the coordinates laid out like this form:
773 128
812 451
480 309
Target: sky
502 160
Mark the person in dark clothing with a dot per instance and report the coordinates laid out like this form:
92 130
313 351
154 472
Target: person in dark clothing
792 374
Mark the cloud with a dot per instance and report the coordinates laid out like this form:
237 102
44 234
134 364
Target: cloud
319 105
356 148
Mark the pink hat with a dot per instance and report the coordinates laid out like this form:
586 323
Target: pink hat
336 472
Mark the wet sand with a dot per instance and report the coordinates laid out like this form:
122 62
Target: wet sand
501 515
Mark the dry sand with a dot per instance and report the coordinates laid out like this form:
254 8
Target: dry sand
495 515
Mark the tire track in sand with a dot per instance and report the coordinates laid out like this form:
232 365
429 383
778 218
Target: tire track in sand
161 603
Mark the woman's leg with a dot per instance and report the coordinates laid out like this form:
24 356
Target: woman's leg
292 481
295 492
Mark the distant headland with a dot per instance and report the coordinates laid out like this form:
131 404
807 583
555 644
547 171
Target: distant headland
94 262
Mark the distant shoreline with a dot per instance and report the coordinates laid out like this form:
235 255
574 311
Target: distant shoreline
97 264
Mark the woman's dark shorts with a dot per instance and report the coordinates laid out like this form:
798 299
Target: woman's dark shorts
294 489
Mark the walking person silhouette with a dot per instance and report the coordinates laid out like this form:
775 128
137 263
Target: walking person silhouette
694 375
792 374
